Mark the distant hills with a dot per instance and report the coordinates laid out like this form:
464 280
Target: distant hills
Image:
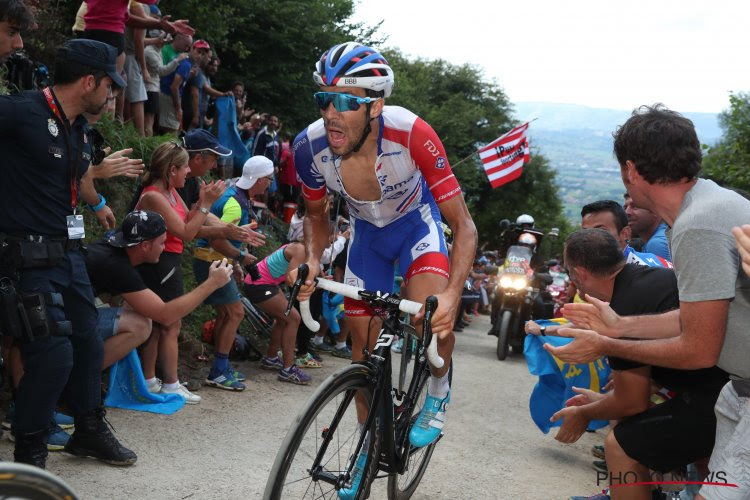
577 140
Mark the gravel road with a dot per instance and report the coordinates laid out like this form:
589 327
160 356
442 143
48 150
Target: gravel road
223 448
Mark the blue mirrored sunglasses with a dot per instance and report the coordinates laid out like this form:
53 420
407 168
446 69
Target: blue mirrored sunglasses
342 102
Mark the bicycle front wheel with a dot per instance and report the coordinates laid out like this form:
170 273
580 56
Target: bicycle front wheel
21 481
328 425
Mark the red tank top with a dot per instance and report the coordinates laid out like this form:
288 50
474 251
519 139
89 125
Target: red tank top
173 243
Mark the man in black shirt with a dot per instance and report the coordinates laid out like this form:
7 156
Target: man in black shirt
111 264
670 435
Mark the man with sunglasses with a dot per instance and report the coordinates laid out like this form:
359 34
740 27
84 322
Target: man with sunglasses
393 172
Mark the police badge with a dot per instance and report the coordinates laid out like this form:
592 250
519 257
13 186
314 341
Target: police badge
52 127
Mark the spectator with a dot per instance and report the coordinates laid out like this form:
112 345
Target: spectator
181 44
266 294
290 184
194 86
647 226
15 17
660 172
266 142
173 85
641 440
211 69
80 24
233 207
156 70
135 71
111 263
167 171
65 354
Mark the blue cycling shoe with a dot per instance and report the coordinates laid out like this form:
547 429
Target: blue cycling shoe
350 493
430 421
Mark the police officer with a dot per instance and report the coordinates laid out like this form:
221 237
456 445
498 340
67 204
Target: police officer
45 153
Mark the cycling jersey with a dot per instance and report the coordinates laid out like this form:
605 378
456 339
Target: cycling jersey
414 175
411 166
645 259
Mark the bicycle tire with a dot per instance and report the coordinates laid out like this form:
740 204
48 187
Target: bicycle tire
418 459
21 481
355 377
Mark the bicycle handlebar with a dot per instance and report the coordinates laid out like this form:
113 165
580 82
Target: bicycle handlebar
352 292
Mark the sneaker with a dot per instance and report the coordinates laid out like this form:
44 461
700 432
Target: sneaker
154 387
239 376
398 346
224 380
294 375
189 397
600 465
62 420
9 414
322 347
598 451
349 493
345 352
57 438
268 363
308 361
430 421
315 356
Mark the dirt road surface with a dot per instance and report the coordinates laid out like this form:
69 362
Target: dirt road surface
223 448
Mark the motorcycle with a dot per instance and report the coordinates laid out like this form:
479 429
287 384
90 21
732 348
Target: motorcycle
520 295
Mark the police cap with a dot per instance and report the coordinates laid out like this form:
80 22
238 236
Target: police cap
94 54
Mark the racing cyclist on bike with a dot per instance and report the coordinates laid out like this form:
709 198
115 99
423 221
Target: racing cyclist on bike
393 172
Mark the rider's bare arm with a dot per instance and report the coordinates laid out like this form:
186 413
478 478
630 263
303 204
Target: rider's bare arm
464 241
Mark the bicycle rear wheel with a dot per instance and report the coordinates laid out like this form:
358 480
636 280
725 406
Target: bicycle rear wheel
20 481
328 420
403 486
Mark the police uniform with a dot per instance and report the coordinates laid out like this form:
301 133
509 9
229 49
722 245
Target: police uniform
44 159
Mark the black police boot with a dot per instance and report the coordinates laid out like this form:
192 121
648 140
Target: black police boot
32 448
92 438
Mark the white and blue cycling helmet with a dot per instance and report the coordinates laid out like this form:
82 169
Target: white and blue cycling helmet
352 64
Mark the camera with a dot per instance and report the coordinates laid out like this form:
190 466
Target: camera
253 271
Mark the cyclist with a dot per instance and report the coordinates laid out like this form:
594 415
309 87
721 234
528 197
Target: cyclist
392 170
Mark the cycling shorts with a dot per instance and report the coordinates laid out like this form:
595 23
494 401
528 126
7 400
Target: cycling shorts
414 241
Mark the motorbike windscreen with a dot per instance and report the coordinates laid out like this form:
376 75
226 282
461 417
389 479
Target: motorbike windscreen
518 260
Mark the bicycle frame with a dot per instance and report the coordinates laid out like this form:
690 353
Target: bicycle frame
393 425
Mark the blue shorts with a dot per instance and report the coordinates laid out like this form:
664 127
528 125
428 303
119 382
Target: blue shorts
228 294
106 321
414 241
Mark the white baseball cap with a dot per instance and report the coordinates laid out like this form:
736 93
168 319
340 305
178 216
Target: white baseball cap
254 169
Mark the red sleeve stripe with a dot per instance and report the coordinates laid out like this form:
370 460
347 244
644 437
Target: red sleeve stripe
313 194
398 136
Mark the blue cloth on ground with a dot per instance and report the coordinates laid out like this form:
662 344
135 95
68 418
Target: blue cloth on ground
557 379
227 133
127 389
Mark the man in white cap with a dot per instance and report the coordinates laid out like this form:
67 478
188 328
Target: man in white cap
233 207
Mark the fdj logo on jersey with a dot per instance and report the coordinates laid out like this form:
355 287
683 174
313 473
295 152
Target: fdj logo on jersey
434 151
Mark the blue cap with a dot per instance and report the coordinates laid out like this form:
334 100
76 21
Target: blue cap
154 9
202 140
94 54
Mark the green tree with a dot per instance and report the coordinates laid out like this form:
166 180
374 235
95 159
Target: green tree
466 111
728 162
272 47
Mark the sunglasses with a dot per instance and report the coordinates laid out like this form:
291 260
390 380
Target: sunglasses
342 102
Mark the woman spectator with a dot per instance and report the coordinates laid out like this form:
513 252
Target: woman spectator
266 294
155 70
167 171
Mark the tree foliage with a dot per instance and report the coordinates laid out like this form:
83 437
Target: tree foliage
728 162
467 111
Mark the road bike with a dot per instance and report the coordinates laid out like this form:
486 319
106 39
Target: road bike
322 446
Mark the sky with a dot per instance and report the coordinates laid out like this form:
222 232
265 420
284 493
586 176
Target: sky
688 55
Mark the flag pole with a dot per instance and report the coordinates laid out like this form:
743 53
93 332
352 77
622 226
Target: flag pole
475 152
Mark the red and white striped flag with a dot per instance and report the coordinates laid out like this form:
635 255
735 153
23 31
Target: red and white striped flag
504 158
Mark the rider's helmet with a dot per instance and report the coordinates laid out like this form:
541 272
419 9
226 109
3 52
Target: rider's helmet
352 64
525 221
527 239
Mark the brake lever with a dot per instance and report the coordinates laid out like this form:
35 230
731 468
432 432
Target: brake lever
302 271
